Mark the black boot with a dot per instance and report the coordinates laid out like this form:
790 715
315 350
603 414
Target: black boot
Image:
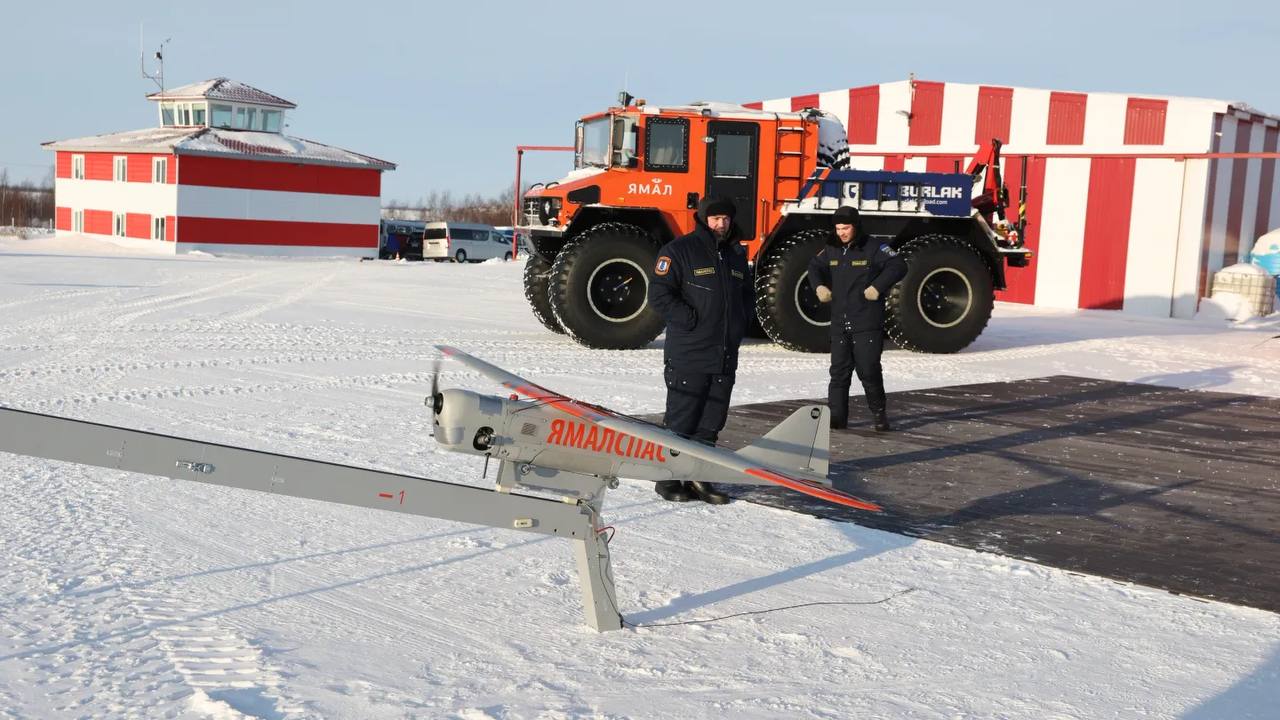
838 424
882 422
707 493
672 490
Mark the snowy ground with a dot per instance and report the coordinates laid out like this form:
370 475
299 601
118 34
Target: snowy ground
131 596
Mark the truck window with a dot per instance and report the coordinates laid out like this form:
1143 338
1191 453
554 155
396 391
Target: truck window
666 144
595 142
436 233
731 156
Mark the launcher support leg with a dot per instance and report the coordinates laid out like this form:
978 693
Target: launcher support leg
595 573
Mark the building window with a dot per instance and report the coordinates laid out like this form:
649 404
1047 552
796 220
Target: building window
77 167
160 170
120 168
183 114
157 228
221 116
271 120
118 226
77 221
241 119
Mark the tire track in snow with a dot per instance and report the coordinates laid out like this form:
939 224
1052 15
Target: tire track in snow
216 662
92 656
99 631
45 298
217 291
306 290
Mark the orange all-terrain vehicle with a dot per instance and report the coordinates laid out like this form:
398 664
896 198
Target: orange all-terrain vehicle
639 172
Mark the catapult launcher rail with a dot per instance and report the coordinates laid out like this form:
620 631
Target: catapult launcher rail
117 448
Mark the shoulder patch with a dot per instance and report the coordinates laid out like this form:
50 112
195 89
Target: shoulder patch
888 251
704 271
663 267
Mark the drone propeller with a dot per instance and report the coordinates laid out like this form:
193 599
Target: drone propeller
435 400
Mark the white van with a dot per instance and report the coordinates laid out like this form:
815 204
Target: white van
463 242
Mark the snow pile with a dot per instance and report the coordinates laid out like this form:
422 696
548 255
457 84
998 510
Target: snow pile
24 233
66 243
1240 292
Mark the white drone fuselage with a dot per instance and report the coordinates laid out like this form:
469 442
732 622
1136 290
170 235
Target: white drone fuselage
532 433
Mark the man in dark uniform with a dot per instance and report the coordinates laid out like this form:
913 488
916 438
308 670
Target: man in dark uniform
854 273
701 286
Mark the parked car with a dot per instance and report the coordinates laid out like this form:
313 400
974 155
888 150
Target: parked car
400 239
463 242
508 232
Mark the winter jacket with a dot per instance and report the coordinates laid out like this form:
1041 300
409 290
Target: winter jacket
703 289
848 270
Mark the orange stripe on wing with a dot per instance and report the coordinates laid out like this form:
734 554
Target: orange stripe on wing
555 400
809 487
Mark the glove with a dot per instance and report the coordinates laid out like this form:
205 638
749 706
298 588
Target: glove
871 293
824 294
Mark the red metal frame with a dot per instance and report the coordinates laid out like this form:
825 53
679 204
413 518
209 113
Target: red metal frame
515 211
1137 156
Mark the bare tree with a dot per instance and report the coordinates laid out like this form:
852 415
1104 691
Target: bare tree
473 207
26 204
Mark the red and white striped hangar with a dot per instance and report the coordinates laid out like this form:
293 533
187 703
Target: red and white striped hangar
220 176
1133 200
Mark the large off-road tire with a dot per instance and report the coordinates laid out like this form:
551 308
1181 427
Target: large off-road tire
754 328
786 304
599 288
537 272
945 300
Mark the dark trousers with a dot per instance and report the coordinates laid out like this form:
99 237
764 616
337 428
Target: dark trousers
697 403
860 352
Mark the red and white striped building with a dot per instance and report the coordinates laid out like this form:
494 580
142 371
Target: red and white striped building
1133 200
219 176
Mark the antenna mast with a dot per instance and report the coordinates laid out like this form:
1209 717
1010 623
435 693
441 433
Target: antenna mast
158 78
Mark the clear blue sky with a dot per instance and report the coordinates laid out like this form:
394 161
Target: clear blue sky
446 90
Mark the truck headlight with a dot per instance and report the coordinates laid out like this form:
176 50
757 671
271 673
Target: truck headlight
548 210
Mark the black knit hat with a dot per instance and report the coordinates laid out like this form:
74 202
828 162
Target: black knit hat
716 205
845 215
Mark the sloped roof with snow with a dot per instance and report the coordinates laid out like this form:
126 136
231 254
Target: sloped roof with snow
222 142
222 89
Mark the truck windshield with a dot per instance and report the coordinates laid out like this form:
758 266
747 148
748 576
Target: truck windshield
593 148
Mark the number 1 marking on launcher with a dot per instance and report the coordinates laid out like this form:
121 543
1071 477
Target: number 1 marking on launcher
389 496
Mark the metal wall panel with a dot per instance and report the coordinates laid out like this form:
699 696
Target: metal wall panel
1144 121
1106 233
995 113
864 112
926 113
1066 118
